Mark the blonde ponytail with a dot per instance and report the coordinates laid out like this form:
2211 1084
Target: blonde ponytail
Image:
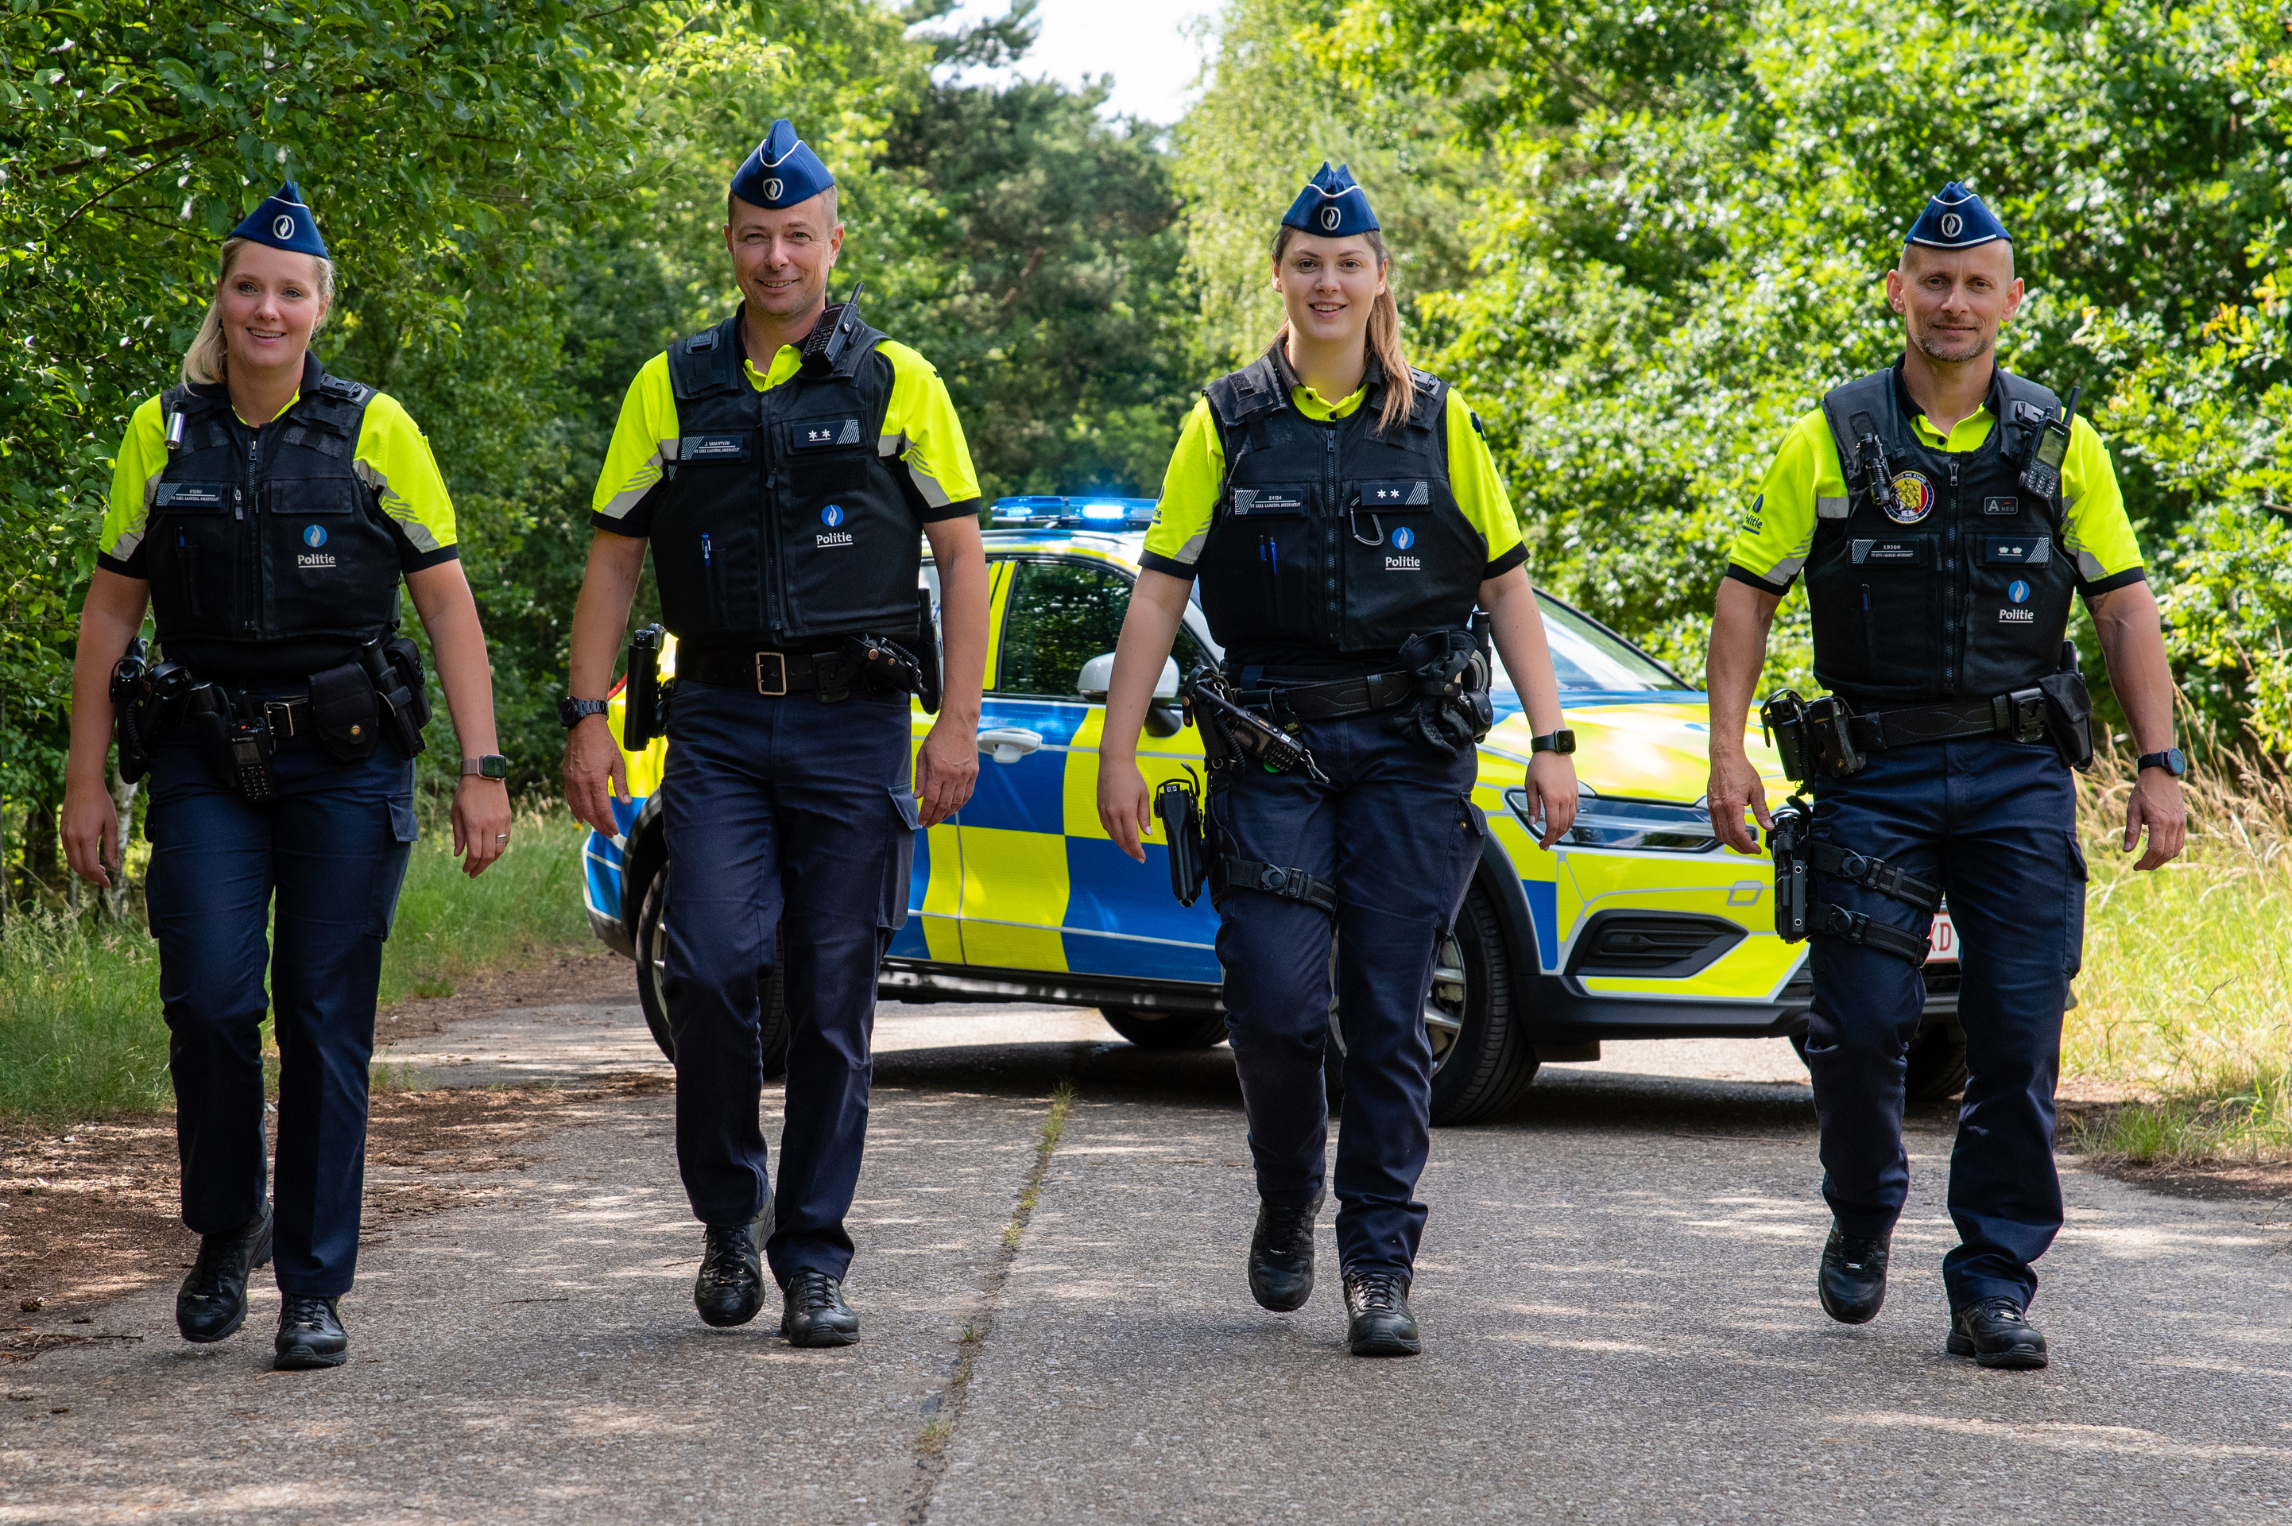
1384 336
208 360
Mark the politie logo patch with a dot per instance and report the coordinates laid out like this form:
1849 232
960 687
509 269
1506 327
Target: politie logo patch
832 515
2018 591
282 226
1914 498
314 536
1403 538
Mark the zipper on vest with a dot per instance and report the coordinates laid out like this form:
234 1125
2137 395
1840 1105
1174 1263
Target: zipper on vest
1953 603
1329 547
774 571
1869 634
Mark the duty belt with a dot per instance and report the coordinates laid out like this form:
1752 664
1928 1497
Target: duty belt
2020 715
1332 701
759 672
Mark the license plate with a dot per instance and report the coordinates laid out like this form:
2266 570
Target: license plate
1945 938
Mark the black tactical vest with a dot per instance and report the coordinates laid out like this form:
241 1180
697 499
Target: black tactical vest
778 519
277 553
1963 590
1333 537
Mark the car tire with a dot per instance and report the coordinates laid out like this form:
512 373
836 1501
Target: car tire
1937 1062
1486 1064
772 989
1167 1030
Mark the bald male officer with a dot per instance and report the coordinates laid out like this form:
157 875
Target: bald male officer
784 466
1943 517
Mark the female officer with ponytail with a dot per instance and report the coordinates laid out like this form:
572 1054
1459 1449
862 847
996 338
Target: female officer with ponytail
1344 518
266 513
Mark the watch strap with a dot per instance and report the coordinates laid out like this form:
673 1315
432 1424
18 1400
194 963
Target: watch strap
2172 760
491 765
1562 742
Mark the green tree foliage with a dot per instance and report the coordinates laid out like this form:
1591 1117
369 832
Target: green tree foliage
1679 243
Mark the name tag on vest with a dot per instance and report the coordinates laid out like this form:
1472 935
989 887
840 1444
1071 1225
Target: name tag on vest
2018 551
1890 553
1404 493
192 495
823 434
713 447
1280 498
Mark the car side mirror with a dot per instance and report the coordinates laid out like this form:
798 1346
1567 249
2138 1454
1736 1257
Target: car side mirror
1098 676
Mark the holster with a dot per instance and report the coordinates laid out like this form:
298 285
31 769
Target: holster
1452 709
129 679
1799 855
2069 715
641 718
1178 805
395 667
927 657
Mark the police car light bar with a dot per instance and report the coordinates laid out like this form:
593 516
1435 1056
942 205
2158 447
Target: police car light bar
1045 511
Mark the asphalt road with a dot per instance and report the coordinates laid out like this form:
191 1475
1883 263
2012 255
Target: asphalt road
1616 1289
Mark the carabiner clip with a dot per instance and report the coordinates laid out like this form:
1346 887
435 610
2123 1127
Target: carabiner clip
1353 516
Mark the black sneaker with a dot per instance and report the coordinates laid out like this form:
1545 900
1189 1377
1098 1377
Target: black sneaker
1996 1333
813 1312
1377 1317
1281 1256
730 1287
310 1333
1852 1281
212 1303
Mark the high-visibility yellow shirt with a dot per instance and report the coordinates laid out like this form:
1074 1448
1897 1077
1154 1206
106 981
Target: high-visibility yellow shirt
392 457
1198 467
1778 532
919 428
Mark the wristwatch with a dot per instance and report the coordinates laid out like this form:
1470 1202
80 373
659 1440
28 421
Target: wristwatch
490 765
2171 760
570 710
1561 742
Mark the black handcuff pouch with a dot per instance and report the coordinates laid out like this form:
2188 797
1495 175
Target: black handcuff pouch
345 712
1450 710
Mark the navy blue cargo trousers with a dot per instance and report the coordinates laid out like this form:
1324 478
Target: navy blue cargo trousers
1396 833
1994 823
784 817
329 854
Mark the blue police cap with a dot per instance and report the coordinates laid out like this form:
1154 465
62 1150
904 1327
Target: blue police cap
1956 219
782 171
1331 205
283 222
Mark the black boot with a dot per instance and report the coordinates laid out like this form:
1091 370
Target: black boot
310 1333
1996 1333
1281 1256
1853 1277
212 1303
813 1312
730 1287
1377 1317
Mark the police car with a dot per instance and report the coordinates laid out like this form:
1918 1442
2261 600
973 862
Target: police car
1638 924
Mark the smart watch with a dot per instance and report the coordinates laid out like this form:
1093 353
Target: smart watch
570 711
490 765
1561 742
2171 760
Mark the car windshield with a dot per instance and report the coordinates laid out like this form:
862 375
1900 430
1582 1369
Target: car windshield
1590 660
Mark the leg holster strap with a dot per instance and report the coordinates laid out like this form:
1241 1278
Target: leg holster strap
1873 874
1854 927
1296 884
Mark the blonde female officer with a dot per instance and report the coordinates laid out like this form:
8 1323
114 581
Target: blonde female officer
1344 518
266 513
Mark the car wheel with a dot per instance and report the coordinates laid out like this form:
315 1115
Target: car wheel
1167 1030
1937 1062
1482 1060
652 947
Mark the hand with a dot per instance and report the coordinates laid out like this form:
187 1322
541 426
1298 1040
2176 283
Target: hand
1735 786
1125 805
2156 804
481 821
595 774
946 769
91 833
1551 786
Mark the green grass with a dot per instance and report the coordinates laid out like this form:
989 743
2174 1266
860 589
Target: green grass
80 1031
2186 996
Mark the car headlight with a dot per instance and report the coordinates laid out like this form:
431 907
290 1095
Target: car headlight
1652 826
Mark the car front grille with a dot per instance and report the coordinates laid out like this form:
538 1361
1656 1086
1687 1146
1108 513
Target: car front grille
1652 943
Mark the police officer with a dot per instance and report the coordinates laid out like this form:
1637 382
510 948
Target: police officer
1344 517
266 512
1943 511
784 465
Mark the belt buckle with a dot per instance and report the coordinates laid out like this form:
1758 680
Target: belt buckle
779 671
279 716
2028 714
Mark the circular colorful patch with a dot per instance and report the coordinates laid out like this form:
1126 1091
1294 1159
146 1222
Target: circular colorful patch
1913 498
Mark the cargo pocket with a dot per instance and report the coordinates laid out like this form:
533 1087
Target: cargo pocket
2073 930
390 874
899 862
